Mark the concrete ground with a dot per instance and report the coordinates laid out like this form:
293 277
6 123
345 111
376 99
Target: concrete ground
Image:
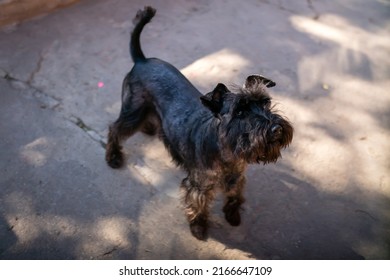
327 198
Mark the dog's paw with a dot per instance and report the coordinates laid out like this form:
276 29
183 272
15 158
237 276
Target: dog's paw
199 231
115 159
199 227
232 215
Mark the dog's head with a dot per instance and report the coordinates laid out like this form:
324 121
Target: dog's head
249 124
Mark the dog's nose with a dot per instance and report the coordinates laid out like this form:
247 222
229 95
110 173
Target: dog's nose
276 131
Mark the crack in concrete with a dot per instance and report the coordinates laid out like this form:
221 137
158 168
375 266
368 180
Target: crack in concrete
37 69
92 133
42 57
45 100
366 213
280 6
313 9
105 254
277 5
6 75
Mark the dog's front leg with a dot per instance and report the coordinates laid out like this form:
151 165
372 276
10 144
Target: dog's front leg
233 191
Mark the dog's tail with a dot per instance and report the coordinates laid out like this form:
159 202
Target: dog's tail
141 19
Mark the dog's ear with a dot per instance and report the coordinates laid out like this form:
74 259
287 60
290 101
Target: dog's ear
253 80
214 100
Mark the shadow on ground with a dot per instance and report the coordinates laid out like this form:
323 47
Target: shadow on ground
328 198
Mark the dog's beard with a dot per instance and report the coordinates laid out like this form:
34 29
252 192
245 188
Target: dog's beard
258 146
258 151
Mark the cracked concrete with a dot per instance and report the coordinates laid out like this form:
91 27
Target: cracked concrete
45 100
90 131
314 10
60 82
36 70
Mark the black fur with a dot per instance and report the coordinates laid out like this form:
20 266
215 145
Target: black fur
213 137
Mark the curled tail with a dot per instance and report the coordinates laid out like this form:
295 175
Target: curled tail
141 19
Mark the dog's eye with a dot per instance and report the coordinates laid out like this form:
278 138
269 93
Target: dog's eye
241 111
240 108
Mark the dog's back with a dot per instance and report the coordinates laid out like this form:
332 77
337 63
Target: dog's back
158 76
154 95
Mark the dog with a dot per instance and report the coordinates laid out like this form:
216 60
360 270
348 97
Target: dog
213 137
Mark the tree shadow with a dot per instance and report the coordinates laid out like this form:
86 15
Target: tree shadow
289 213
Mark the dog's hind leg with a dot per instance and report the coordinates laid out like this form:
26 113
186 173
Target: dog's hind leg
133 113
152 124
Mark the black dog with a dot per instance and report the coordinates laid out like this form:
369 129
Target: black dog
213 137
